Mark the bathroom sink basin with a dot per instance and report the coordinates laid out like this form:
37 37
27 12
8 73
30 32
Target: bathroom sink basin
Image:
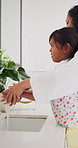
30 123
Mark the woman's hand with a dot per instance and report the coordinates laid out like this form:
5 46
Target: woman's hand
13 95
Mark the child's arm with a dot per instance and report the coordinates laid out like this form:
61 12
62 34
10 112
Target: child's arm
28 94
13 95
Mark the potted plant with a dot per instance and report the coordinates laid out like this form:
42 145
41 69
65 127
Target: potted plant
8 69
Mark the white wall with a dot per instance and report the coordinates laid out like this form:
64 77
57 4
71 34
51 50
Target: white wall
10 28
40 18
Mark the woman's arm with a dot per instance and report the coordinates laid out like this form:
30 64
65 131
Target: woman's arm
13 95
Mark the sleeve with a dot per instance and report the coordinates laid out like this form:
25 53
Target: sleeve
51 85
43 86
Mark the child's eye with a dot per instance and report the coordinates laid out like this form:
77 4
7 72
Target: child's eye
67 23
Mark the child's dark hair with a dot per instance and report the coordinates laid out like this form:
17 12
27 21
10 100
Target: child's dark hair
73 12
66 35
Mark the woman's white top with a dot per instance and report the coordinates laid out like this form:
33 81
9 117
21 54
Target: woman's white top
61 81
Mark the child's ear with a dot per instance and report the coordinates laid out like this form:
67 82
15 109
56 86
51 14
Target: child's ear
67 48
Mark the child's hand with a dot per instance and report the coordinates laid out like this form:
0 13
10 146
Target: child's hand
12 95
12 85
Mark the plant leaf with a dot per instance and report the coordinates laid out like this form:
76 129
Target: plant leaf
13 74
22 74
3 79
11 65
1 53
2 88
0 64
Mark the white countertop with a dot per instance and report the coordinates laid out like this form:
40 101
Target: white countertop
50 136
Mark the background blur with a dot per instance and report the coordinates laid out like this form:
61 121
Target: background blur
39 19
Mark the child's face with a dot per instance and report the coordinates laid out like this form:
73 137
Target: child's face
69 21
57 51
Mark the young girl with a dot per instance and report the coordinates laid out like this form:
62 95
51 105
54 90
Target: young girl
59 86
65 108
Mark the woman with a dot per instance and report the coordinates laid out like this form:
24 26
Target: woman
72 18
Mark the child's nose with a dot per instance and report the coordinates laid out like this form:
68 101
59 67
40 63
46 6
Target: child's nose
50 50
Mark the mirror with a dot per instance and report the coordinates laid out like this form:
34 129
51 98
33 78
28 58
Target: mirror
11 29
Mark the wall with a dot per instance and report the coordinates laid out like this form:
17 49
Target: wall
40 18
10 28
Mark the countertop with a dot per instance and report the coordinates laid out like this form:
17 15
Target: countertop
51 135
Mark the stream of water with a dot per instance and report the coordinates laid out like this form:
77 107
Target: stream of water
7 107
7 115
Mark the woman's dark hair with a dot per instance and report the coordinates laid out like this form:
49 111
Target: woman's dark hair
66 35
73 12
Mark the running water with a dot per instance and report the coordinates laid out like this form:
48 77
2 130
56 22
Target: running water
7 115
7 108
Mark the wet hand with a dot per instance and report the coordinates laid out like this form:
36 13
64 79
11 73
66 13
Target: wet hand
13 94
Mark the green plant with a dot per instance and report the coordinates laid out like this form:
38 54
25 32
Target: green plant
8 69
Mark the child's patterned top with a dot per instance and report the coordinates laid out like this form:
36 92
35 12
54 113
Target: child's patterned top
65 110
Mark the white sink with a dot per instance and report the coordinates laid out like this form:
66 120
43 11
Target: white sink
30 123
